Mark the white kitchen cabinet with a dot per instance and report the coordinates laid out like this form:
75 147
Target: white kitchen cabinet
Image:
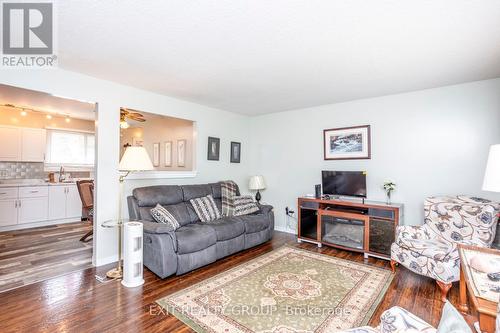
64 202
73 202
22 144
33 210
33 144
10 147
8 212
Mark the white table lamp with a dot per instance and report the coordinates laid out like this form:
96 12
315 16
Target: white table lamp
134 159
492 175
257 183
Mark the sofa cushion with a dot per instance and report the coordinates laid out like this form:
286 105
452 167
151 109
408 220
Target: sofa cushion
216 190
194 237
227 228
195 191
254 223
205 208
163 194
180 212
162 215
244 205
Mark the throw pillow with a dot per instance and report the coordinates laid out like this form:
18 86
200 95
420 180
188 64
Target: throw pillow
162 215
205 208
452 321
244 205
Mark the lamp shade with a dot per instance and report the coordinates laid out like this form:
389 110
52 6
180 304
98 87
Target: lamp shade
135 159
492 175
256 183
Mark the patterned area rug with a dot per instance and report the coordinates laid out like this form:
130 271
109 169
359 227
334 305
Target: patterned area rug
287 290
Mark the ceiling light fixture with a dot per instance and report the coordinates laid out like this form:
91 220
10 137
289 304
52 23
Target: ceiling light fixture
124 124
48 116
24 113
67 119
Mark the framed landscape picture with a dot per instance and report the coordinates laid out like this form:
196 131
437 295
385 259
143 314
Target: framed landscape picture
347 143
213 149
235 152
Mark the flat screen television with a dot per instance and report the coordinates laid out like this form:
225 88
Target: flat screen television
344 183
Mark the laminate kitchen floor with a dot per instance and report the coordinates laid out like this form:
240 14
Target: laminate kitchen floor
32 255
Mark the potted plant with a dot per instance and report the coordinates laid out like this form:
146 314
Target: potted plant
389 186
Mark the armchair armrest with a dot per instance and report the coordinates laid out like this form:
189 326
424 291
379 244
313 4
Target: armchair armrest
265 209
414 232
159 228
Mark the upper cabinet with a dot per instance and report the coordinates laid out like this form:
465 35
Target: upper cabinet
22 144
33 144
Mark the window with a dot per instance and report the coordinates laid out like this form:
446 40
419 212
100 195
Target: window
70 148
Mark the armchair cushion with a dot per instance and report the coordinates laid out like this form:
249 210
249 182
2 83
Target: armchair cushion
446 270
436 248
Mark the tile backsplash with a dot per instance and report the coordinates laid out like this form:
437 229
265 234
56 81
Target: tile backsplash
30 170
21 170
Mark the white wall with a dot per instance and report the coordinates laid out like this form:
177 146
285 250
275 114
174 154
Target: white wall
111 96
430 142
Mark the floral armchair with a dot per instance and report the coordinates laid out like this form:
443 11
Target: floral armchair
396 319
431 249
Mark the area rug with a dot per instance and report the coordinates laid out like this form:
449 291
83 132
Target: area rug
286 290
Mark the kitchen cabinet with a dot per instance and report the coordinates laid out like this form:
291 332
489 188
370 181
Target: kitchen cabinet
73 202
33 210
24 144
23 205
64 202
8 212
33 204
33 144
10 143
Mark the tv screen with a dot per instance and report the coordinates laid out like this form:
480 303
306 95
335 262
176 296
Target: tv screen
348 183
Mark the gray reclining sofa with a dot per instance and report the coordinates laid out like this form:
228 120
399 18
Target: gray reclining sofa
194 244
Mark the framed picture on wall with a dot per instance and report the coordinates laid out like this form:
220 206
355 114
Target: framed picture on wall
168 153
181 153
235 152
156 154
213 149
347 143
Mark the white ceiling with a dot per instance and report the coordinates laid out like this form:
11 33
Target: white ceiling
40 101
262 56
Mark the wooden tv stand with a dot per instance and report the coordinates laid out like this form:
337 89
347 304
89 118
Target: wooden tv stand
350 224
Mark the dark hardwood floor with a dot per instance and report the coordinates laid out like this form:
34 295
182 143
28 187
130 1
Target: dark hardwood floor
76 302
35 254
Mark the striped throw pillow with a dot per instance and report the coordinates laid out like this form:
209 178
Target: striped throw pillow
162 215
205 208
244 205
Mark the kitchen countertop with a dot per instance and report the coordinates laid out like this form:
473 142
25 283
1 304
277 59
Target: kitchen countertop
31 182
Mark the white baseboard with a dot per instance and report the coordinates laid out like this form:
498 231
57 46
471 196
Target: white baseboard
288 231
38 224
